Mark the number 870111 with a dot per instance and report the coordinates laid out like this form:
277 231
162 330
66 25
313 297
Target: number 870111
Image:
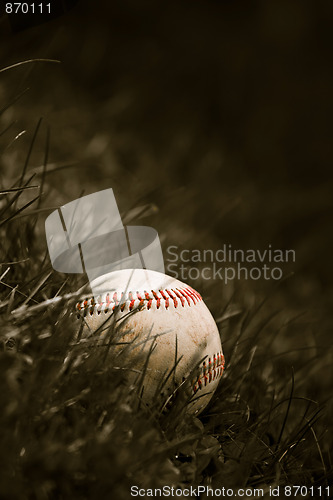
27 8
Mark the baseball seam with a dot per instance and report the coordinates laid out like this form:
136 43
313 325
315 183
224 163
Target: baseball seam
211 370
175 296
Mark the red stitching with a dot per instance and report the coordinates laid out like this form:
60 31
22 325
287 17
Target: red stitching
150 301
166 299
195 294
132 300
190 294
175 301
186 297
178 296
181 298
210 373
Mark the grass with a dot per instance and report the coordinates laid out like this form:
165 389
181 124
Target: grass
71 430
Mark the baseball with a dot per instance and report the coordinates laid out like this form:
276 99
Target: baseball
161 329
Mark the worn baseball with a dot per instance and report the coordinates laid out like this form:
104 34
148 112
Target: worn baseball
161 329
